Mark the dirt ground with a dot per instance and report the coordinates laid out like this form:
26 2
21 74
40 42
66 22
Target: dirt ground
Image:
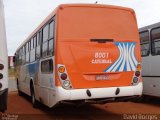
21 108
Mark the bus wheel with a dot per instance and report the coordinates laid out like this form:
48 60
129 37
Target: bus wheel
34 102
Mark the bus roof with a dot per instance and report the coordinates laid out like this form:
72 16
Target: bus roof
71 5
149 27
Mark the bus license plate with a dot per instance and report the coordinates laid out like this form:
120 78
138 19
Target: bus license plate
102 77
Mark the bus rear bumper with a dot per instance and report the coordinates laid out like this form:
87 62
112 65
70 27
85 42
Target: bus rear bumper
127 92
3 100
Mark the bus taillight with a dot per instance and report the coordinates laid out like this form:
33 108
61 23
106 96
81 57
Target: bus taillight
137 73
66 83
135 80
61 69
1 66
63 76
139 67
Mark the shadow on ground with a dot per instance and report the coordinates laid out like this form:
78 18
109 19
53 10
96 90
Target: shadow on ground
70 112
155 101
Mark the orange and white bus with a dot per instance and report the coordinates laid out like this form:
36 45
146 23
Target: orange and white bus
81 53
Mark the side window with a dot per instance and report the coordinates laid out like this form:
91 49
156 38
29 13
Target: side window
35 41
44 49
27 52
23 54
51 29
32 44
144 41
18 54
45 43
45 33
32 52
51 38
38 50
38 39
48 39
20 60
47 66
29 45
20 57
155 39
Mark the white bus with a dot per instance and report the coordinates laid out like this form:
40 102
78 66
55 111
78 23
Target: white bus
3 62
150 51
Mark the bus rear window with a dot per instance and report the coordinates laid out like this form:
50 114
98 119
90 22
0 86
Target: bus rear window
91 22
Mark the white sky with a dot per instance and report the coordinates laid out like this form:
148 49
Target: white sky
23 16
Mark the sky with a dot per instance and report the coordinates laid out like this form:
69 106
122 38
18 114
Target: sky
23 16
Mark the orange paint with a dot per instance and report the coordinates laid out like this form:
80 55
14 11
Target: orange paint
76 26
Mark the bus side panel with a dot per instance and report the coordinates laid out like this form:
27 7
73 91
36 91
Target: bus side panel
151 75
47 82
3 49
151 86
3 61
22 79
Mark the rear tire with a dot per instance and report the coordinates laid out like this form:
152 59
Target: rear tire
33 99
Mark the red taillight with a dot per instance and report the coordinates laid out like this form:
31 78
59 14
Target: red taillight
64 76
137 73
1 66
1 75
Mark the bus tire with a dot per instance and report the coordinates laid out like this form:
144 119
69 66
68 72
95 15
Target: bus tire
33 99
19 92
